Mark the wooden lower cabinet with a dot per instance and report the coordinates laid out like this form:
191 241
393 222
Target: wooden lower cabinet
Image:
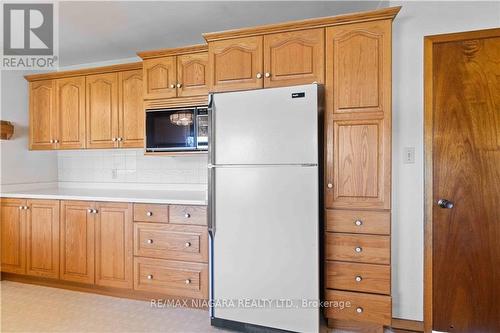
77 241
113 245
42 253
13 235
358 277
176 278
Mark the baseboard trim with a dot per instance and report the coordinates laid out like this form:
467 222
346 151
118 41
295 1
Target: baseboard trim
407 325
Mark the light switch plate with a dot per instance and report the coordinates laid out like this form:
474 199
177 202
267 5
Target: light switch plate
409 155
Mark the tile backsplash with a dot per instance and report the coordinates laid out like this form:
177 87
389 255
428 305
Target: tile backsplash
130 166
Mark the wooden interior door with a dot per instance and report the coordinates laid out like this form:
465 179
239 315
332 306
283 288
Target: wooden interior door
102 110
43 238
13 235
113 245
130 110
192 74
294 58
463 108
160 78
236 64
70 106
42 115
77 241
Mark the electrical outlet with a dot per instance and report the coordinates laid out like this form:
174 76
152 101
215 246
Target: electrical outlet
409 155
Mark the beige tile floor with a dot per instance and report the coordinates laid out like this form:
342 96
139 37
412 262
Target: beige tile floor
30 308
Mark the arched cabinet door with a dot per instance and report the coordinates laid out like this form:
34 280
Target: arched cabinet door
236 64
294 58
70 105
102 110
192 74
42 115
160 78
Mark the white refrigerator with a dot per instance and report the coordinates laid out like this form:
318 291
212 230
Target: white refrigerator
264 209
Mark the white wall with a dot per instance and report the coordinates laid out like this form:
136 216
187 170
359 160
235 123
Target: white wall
18 165
416 20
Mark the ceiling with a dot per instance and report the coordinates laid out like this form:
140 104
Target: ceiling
98 31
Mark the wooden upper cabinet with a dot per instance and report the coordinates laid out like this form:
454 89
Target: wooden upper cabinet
236 64
113 245
192 74
70 106
77 241
358 67
13 235
42 249
294 58
42 115
130 110
160 78
102 110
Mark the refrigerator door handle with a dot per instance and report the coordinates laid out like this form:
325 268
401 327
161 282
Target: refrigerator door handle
211 201
211 129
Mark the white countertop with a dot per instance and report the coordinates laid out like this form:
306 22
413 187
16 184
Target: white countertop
176 197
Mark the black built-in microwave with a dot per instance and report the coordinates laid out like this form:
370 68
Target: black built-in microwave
177 129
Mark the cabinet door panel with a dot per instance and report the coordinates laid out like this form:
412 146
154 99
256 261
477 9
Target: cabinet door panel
294 58
13 236
160 78
77 242
43 238
114 245
42 115
361 172
234 64
102 110
130 111
70 104
359 67
192 74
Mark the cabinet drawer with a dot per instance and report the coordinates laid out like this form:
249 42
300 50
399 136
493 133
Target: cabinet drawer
175 278
358 277
150 213
358 248
358 221
167 241
188 214
362 307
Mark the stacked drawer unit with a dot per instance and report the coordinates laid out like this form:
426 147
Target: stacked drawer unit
357 265
171 250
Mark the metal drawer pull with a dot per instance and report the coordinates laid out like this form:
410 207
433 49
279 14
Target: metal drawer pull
150 277
188 281
95 211
187 215
267 74
149 241
188 244
21 207
358 278
259 75
172 86
149 213
358 249
358 222
89 211
359 310
330 185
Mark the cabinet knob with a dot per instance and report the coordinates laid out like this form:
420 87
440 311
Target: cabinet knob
259 75
179 85
149 214
172 86
188 281
358 249
90 211
267 74
113 139
56 141
95 211
330 185
358 222
119 139
52 141
21 207
359 310
26 207
149 241
188 244
358 278
150 277
187 215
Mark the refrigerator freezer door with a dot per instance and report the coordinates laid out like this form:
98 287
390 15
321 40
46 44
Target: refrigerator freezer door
267 126
266 244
